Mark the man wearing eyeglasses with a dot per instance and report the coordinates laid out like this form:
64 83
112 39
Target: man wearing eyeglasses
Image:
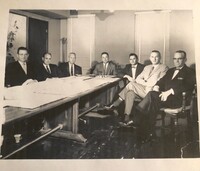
20 72
167 92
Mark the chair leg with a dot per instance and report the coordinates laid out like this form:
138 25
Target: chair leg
163 124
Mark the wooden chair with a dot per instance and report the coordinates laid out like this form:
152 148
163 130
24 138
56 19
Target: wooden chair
185 111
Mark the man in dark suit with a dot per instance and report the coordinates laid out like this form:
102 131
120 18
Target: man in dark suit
166 93
70 68
105 67
46 69
20 72
132 70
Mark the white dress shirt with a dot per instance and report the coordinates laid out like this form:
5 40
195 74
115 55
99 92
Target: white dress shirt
134 67
71 66
47 68
24 66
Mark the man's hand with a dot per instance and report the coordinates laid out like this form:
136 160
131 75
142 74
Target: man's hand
164 95
129 78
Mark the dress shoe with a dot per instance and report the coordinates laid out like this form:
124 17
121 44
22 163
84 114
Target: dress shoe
109 107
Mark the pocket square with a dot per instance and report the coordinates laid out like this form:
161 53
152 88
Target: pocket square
180 78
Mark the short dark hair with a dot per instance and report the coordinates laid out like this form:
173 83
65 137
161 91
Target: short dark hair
183 52
22 48
72 53
46 53
133 54
156 51
105 53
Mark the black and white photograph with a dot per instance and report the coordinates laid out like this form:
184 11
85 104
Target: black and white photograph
103 82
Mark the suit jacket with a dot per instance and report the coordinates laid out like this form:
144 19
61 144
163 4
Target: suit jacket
183 82
64 68
149 78
99 69
128 70
42 73
15 75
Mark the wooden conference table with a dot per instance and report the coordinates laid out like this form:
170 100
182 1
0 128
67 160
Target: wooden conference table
62 101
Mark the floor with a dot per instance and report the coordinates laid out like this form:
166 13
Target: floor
106 140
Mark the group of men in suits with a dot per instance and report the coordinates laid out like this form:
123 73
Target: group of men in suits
23 72
155 87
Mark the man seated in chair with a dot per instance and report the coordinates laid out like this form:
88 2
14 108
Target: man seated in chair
70 68
46 69
166 93
132 70
20 72
138 88
105 67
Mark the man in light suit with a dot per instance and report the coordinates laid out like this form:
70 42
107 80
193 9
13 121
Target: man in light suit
167 92
105 67
132 70
46 69
20 72
141 86
70 68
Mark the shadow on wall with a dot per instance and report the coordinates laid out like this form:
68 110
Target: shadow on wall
147 62
193 66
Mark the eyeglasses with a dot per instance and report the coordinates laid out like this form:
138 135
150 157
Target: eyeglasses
178 58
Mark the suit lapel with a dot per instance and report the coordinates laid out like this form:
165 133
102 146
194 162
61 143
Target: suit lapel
155 70
137 70
21 69
107 69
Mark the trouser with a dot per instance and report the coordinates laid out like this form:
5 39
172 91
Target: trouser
130 93
149 108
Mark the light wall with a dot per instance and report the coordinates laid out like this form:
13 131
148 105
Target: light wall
115 34
54 40
182 34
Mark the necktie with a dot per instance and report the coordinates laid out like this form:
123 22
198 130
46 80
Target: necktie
48 70
151 70
104 68
72 73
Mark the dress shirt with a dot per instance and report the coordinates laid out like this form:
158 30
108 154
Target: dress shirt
47 68
24 66
105 66
71 69
176 72
133 70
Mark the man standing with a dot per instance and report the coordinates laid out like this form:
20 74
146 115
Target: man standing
132 70
46 69
70 68
20 72
167 92
105 67
141 86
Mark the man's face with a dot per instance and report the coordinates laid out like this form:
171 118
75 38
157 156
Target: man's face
133 60
72 58
179 60
22 55
46 59
105 58
154 58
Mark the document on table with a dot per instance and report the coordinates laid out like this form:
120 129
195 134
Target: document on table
41 93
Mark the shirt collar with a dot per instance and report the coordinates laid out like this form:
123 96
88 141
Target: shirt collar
134 66
21 63
45 65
